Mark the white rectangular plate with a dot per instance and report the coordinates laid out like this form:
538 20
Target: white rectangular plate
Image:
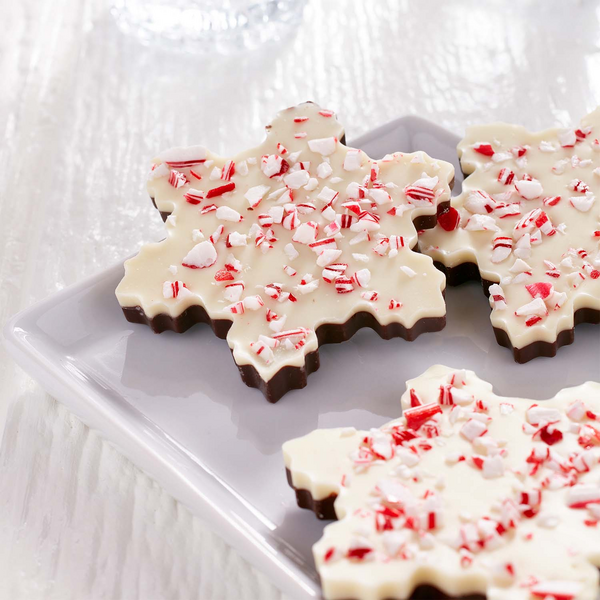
176 406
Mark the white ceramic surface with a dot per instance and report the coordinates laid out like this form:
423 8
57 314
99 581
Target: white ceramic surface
176 406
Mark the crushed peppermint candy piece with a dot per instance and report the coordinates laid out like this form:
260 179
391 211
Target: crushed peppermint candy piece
226 213
558 590
176 289
180 158
352 160
324 170
449 219
529 189
255 194
484 148
296 179
497 299
201 256
473 429
323 146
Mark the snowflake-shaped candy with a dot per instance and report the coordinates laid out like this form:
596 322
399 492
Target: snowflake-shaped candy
528 223
297 242
468 492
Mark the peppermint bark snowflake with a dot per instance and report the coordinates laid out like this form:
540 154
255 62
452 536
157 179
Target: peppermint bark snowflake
468 492
297 242
528 218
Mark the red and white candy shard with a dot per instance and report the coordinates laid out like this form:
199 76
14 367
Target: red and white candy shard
467 491
281 238
528 216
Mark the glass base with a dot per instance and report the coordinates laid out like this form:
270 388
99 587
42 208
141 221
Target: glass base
224 27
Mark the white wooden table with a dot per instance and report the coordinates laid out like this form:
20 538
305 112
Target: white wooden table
84 107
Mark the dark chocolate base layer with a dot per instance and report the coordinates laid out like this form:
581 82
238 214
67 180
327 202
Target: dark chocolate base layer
291 378
322 508
470 272
287 378
163 215
429 592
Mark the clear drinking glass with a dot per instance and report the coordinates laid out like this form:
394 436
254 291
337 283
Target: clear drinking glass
222 26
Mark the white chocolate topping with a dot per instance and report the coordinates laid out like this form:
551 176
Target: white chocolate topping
529 218
290 235
468 491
